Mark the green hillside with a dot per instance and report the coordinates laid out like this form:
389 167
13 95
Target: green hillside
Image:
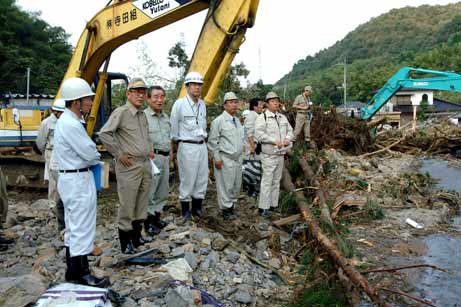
425 36
28 41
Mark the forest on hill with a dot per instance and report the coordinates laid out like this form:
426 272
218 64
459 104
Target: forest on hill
424 36
27 41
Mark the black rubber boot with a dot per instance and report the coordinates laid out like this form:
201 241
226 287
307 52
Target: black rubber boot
185 211
136 234
72 271
197 207
125 242
85 275
252 190
4 241
226 214
150 227
157 221
264 213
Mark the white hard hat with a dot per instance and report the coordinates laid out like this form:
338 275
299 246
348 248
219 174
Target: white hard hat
230 96
59 105
75 88
194 77
246 113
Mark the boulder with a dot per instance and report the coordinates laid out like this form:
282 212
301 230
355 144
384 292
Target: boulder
21 290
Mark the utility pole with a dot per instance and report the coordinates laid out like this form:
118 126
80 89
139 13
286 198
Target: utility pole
28 84
345 83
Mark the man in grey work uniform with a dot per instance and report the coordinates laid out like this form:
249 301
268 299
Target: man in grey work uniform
126 137
256 108
226 144
302 104
159 136
44 143
3 211
188 129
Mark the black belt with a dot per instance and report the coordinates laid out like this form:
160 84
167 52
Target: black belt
85 169
191 142
163 153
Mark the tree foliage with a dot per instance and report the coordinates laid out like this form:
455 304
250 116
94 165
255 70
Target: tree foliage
28 41
425 36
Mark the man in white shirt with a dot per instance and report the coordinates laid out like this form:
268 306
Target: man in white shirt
188 130
75 153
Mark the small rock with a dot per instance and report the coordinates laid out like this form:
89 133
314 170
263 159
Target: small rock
275 263
170 227
213 257
179 236
29 251
206 241
106 261
204 251
219 244
237 280
191 258
179 297
205 265
229 292
189 247
144 293
178 252
232 256
164 249
129 302
243 297
11 220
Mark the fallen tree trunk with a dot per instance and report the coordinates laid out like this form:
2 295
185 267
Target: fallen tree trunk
329 246
320 193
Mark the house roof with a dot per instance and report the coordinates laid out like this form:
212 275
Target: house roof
16 96
355 104
441 105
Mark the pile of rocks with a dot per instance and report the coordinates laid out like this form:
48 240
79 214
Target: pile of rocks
204 262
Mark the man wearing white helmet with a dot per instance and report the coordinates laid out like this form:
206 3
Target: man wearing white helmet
275 133
226 144
44 143
74 153
188 130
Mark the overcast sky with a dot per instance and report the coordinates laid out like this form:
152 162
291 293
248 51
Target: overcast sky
285 31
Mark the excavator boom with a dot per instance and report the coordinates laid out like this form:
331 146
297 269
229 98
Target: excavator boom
222 34
431 80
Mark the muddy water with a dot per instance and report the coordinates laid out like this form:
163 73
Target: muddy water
443 250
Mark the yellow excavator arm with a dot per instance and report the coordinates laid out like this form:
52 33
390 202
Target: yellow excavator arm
122 21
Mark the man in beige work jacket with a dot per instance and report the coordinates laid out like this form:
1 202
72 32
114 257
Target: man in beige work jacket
302 105
274 132
126 137
226 144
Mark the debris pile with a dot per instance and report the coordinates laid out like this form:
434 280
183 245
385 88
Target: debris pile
374 197
434 138
333 130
